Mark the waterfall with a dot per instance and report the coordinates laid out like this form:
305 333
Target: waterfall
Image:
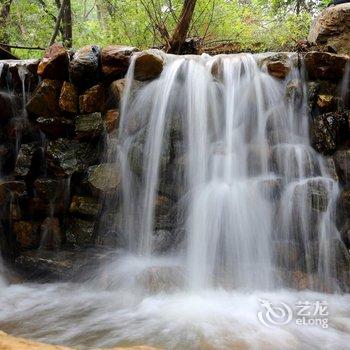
252 187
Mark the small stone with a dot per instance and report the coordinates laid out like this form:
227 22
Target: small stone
112 120
89 126
44 101
148 65
93 100
69 98
86 206
54 64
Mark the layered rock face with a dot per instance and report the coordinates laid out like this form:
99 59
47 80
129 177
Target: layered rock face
332 29
56 176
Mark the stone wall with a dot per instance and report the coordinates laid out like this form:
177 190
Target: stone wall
53 143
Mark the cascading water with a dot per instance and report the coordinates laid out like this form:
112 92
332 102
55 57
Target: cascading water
254 211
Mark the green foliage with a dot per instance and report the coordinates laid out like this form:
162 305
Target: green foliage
252 25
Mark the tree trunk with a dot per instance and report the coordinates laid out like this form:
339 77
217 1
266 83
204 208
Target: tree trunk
58 22
180 33
67 24
4 15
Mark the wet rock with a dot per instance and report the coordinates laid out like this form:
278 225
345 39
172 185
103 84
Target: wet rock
51 234
25 159
23 72
93 100
86 206
54 64
105 178
115 92
271 188
63 265
44 101
294 90
69 98
326 102
6 104
327 131
38 207
11 189
66 157
157 279
318 195
331 168
84 68
112 120
148 65
80 232
55 127
342 164
324 65
163 240
332 28
89 126
27 234
278 65
49 189
115 60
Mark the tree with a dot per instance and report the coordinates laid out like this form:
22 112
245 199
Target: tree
4 16
180 33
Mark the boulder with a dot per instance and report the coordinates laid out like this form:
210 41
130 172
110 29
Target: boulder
54 64
89 126
115 60
112 120
115 92
55 127
25 159
148 65
44 101
66 157
324 65
84 68
92 100
80 232
11 189
51 234
27 234
69 98
332 28
328 130
278 65
85 206
104 178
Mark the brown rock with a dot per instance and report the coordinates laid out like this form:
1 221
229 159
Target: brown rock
93 100
44 101
324 65
115 92
115 60
26 233
278 69
54 64
148 65
342 163
51 235
332 28
11 189
6 102
326 102
112 120
25 159
49 189
69 98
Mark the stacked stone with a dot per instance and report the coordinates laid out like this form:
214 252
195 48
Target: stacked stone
51 189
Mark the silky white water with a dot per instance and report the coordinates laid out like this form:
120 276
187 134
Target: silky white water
253 218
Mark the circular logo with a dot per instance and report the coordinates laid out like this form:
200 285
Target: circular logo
274 315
